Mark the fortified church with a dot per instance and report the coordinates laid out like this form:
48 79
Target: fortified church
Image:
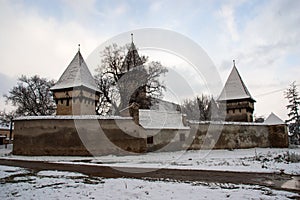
139 129
76 92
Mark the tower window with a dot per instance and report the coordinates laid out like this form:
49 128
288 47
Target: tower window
150 140
67 102
61 101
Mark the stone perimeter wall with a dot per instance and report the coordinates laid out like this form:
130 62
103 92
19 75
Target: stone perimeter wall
81 137
84 137
232 135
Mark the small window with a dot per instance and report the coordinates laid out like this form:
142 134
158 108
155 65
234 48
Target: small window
182 137
67 102
61 101
240 110
150 140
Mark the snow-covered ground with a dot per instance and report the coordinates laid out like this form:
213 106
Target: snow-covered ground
252 160
18 183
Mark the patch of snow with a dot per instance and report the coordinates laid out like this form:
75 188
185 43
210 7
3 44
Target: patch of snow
56 173
225 122
156 119
4 128
5 150
51 186
246 160
6 171
75 117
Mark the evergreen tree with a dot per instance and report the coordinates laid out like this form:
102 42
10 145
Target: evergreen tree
293 106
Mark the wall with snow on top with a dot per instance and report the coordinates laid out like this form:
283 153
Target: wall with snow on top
80 136
235 135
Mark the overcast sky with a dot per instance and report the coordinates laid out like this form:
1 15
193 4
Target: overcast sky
41 37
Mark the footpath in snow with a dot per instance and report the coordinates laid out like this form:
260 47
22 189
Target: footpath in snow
246 160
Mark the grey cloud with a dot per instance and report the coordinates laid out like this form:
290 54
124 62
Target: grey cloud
6 83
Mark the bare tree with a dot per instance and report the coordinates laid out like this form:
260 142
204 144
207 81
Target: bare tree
292 95
6 118
190 107
201 108
32 96
125 77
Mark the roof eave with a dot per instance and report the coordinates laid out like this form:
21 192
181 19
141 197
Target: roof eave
75 87
234 99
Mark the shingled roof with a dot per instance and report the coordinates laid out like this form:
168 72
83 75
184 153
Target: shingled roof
77 74
234 88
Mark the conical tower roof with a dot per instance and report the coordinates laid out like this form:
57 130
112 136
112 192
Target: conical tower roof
132 58
235 88
77 74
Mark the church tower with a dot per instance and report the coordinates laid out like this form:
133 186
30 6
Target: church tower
237 98
133 77
76 93
132 58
